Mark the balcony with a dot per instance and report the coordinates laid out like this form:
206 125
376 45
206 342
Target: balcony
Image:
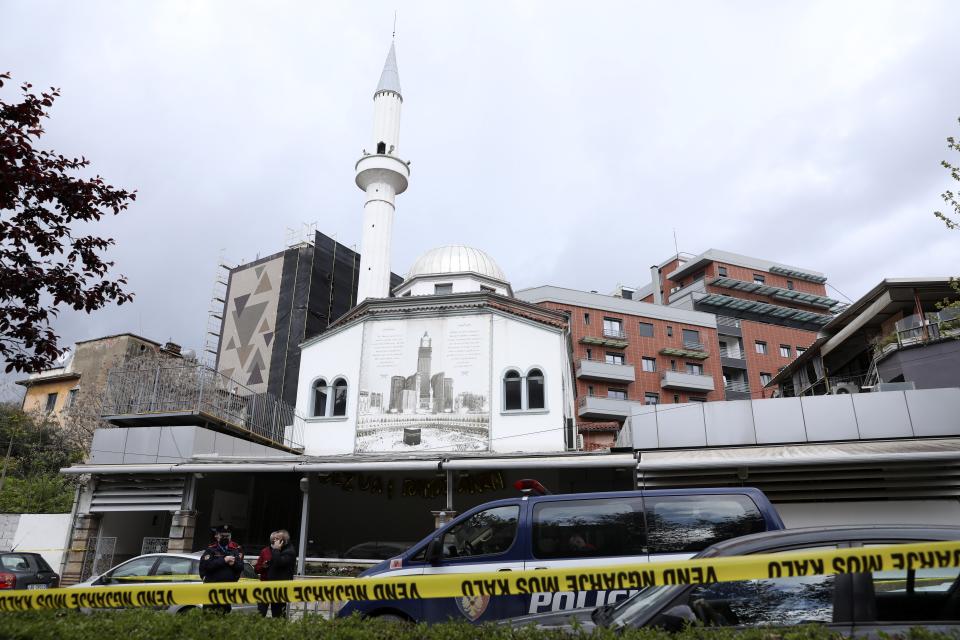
604 342
686 381
597 370
616 334
597 408
727 326
732 358
736 390
192 394
692 350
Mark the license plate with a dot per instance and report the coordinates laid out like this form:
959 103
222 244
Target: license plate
37 586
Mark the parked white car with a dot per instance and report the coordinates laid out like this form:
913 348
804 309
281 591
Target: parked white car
152 568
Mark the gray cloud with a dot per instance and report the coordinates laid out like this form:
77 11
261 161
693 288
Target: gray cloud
567 142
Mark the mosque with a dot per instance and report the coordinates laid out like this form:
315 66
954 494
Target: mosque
447 361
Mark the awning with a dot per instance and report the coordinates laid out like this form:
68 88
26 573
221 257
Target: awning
580 461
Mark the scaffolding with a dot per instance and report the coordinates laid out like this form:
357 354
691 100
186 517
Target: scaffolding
215 313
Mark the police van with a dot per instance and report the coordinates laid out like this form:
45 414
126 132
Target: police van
543 531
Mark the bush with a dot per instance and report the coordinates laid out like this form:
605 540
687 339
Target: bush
147 625
36 494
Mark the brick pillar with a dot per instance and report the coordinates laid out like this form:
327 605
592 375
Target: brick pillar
85 528
182 529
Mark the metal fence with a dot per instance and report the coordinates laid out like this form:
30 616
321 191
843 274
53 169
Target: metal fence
193 388
98 556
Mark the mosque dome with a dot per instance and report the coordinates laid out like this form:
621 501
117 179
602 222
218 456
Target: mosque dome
456 259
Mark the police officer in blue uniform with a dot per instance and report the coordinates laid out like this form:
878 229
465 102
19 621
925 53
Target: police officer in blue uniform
222 561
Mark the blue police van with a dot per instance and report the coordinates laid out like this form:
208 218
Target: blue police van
543 531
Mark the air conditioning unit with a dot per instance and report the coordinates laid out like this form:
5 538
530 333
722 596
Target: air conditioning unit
844 388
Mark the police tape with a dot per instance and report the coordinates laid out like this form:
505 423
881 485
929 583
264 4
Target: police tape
496 583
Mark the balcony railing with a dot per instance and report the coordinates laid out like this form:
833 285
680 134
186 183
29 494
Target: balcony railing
193 391
737 386
693 346
686 380
728 321
736 354
604 370
618 334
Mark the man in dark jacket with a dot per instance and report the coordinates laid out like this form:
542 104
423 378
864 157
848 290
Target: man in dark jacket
283 563
222 561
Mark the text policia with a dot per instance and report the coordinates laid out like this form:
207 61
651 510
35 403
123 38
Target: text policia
579 579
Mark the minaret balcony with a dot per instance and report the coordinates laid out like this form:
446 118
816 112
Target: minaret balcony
380 167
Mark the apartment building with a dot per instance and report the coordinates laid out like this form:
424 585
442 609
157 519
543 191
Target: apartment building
767 313
628 352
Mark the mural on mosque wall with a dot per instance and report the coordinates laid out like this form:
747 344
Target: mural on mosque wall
249 321
425 385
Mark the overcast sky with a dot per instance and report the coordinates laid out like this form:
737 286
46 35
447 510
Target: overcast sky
568 140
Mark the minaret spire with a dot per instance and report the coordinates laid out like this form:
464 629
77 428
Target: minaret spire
382 175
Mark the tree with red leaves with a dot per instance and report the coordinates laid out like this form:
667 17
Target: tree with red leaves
44 264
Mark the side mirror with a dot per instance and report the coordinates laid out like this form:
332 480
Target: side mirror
675 619
435 551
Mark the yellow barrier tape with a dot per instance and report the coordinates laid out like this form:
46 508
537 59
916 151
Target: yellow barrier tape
633 576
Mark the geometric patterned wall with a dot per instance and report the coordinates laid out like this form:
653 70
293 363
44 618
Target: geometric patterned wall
249 321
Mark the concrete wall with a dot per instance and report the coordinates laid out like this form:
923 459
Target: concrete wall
931 367
860 416
139 445
43 533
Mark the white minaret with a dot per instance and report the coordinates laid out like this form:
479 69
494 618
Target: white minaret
382 175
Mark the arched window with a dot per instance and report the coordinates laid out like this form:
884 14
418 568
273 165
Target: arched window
340 397
319 398
535 395
512 391
381 147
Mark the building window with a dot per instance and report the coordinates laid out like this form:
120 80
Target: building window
722 271
589 353
758 279
649 364
319 398
71 398
761 347
646 330
613 328
535 392
698 276
512 391
784 351
51 402
790 285
614 358
651 398
691 338
340 397
765 378
695 368
676 398
801 350
617 394
673 365
669 331
381 147
443 289
696 399
590 390
627 294
586 318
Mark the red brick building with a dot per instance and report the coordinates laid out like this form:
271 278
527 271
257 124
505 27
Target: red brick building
718 326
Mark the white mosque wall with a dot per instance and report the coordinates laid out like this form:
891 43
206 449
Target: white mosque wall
523 346
473 351
461 283
425 385
337 355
